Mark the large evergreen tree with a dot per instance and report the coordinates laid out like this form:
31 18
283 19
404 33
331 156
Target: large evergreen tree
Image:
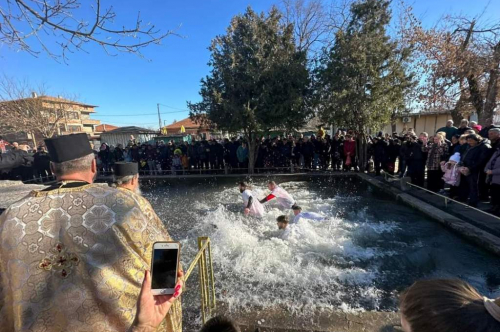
259 80
362 79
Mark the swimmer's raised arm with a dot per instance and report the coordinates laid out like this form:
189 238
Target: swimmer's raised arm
267 198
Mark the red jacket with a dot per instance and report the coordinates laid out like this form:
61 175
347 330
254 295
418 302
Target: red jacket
350 147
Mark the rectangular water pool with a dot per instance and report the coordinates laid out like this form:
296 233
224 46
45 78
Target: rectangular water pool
361 257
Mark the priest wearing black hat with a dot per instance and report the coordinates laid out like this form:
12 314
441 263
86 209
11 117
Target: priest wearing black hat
126 176
75 253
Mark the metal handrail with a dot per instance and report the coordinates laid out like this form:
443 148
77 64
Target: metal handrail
446 198
206 274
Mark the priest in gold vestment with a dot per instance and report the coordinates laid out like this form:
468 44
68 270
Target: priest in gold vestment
73 256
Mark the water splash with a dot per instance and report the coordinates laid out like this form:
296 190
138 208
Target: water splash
366 251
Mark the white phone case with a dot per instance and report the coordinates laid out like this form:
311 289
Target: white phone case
165 246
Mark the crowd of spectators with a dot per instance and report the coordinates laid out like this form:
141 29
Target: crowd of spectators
317 152
462 160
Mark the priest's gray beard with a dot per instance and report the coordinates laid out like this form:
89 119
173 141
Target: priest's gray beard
138 191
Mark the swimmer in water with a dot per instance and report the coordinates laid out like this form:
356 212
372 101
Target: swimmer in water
282 222
282 196
297 211
283 227
252 206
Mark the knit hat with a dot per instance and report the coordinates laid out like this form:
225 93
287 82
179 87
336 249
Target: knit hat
455 157
477 127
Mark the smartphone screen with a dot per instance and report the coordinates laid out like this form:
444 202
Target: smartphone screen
164 268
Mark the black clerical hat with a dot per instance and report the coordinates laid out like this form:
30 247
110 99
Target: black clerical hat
125 168
68 147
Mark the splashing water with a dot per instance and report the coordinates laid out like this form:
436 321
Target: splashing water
366 251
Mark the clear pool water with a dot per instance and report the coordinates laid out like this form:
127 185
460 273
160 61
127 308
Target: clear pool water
367 250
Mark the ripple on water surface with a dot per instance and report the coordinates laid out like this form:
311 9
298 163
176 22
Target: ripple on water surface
366 251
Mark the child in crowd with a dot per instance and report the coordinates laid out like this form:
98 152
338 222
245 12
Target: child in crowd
444 305
176 164
451 175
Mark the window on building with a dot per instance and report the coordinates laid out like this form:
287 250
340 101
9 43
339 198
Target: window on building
74 129
73 115
62 127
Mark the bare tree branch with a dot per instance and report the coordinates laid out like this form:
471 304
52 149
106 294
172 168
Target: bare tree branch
25 21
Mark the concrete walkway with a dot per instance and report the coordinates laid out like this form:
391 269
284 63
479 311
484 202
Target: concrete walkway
281 320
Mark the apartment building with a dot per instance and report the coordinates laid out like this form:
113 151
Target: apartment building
75 117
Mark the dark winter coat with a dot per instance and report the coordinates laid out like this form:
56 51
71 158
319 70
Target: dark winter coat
475 158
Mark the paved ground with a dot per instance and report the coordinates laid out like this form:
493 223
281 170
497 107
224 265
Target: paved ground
279 320
12 191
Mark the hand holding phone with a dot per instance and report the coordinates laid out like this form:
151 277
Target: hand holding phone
164 267
152 309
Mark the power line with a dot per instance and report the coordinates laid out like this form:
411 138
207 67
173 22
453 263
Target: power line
131 123
139 114
174 108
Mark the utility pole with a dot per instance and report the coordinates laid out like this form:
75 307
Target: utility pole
159 117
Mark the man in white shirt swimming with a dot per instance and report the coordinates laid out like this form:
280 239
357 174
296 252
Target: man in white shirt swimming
297 211
252 206
282 196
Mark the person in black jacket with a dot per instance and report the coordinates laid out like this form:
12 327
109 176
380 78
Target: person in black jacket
404 156
464 126
487 126
392 155
379 153
335 153
41 163
416 160
219 155
473 162
308 152
15 158
297 153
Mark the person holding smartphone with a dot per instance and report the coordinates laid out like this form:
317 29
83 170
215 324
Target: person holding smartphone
88 257
152 309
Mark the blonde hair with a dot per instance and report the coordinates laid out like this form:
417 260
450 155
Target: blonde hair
441 137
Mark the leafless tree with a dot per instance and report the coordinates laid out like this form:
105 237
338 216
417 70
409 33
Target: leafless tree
459 62
309 21
24 108
25 23
314 21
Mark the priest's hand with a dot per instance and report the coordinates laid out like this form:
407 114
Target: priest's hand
247 211
152 309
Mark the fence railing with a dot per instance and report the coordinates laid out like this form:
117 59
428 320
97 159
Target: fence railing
404 183
206 277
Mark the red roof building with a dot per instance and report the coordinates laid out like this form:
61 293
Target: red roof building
105 127
190 126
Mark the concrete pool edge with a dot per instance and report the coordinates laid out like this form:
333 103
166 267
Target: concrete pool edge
280 320
461 227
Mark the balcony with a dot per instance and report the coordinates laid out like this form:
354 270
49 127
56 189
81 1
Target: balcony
91 122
